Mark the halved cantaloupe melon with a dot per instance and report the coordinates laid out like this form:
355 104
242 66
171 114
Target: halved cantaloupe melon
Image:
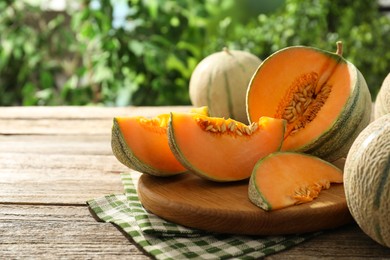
284 179
141 144
323 97
222 149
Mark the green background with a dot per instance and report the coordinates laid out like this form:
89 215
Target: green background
84 56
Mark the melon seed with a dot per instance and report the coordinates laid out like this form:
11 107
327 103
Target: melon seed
302 99
232 126
298 108
209 127
223 128
254 127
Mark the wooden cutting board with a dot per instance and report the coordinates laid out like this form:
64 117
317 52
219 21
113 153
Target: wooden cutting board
225 208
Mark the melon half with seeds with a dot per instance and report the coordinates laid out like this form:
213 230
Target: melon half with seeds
283 179
323 97
221 149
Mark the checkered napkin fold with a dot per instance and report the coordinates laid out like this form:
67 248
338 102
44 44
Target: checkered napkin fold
166 240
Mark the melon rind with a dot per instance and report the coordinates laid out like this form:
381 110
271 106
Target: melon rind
254 193
367 180
382 102
355 116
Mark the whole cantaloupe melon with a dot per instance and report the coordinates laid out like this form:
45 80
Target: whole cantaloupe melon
220 81
382 102
367 180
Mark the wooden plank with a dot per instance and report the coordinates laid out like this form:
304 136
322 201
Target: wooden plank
57 169
55 126
83 112
68 120
62 189
56 144
58 178
348 242
70 162
53 232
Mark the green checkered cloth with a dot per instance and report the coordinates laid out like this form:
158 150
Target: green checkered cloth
166 240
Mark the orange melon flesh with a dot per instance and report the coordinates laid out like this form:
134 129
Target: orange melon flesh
284 179
276 75
149 142
222 156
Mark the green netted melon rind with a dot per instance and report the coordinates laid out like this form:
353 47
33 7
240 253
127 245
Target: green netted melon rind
367 180
382 102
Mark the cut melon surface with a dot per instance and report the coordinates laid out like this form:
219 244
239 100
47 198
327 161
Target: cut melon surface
284 179
222 149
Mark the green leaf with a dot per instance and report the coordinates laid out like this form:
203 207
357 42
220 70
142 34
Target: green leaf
46 80
136 47
28 91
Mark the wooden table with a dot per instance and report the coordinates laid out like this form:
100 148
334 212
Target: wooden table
54 159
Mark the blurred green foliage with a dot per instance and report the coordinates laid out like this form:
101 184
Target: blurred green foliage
85 57
32 54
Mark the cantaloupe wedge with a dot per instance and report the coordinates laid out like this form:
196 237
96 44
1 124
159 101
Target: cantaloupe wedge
221 149
284 179
141 143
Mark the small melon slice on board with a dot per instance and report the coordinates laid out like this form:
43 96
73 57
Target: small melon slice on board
284 179
141 144
221 149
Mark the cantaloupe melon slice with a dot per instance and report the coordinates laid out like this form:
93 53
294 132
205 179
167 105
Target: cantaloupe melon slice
141 144
284 179
222 149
